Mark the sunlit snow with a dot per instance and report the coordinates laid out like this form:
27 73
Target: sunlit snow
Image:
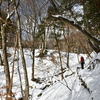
51 86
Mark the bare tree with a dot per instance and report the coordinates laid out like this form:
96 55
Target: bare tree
37 8
4 23
26 91
58 47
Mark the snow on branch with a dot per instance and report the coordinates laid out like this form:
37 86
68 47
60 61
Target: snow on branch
71 23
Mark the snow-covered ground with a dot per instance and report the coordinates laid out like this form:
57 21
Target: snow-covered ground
77 84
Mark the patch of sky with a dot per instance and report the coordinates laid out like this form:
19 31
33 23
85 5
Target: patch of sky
78 9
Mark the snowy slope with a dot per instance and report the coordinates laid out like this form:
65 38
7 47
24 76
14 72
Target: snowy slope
78 91
84 85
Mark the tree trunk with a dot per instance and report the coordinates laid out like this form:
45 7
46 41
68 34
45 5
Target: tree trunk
33 52
68 47
0 25
58 47
21 85
33 61
26 93
5 60
43 45
95 47
12 75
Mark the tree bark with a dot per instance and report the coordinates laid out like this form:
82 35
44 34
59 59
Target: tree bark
33 52
5 60
26 93
68 47
58 47
94 46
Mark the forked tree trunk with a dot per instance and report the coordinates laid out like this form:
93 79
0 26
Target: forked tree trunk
26 91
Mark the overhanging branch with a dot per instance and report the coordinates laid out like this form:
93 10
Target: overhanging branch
71 23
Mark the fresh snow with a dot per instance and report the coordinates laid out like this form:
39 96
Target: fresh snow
51 86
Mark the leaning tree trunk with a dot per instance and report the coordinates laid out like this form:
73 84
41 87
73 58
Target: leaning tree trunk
86 33
5 60
26 93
